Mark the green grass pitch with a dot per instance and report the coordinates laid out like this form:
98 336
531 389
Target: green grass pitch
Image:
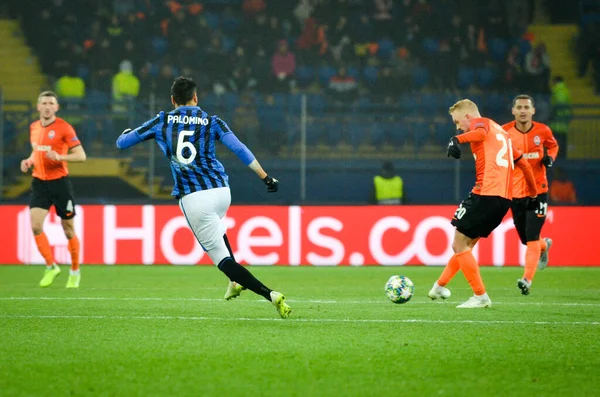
165 331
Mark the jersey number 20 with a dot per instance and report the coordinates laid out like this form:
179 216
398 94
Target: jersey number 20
182 144
506 147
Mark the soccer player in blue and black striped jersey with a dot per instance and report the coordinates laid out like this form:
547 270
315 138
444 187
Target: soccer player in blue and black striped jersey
187 137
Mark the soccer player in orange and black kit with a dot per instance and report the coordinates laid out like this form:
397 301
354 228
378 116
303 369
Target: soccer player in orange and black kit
487 204
536 142
54 143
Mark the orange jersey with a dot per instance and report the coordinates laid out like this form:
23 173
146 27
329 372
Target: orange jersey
532 144
494 156
58 136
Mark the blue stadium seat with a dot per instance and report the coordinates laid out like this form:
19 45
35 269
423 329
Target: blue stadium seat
429 103
524 46
397 133
305 75
83 72
357 134
430 45
498 48
230 23
486 77
212 20
421 131
316 104
409 106
354 72
466 77
370 74
325 74
386 48
420 77
443 132
230 100
227 43
377 137
160 45
97 100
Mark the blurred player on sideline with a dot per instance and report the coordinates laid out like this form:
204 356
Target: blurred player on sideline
54 143
539 148
187 137
487 204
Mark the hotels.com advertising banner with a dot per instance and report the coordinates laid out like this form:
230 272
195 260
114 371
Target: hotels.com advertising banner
306 235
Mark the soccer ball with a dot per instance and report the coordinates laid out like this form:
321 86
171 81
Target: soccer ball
399 289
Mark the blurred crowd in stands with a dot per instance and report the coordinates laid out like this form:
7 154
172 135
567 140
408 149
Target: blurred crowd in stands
341 48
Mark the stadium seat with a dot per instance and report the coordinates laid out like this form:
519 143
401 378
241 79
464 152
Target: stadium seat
443 132
498 48
421 131
230 100
430 45
305 75
409 106
486 77
370 74
397 133
230 23
212 20
325 74
466 77
386 48
377 136
160 45
316 104
420 77
354 72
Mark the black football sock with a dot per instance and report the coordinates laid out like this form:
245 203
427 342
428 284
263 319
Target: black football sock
243 277
228 246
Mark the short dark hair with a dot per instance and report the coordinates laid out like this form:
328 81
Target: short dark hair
558 79
183 90
523 96
48 93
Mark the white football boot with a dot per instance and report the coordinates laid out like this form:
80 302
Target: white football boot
476 302
439 292
524 285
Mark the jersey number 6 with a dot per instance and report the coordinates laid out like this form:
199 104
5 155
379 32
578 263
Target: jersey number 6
182 144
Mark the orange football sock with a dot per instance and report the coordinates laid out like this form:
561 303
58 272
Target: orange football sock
543 245
532 256
74 250
470 269
44 247
449 272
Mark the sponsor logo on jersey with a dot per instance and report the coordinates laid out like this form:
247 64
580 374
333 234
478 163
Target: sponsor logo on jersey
537 140
534 155
187 120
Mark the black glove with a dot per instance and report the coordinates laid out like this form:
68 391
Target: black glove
547 161
272 184
532 203
454 148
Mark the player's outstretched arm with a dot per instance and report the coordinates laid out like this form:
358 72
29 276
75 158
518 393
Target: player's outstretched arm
76 155
146 131
272 183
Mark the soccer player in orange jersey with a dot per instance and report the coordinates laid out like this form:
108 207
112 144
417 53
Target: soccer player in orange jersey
536 142
487 204
54 143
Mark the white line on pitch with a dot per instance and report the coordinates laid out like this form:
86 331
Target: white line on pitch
308 320
316 301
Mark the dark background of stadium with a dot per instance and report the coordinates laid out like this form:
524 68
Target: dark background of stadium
405 63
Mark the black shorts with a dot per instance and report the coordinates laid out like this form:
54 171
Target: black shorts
57 192
478 216
529 222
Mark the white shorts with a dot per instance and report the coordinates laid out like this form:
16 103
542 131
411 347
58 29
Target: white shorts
204 211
